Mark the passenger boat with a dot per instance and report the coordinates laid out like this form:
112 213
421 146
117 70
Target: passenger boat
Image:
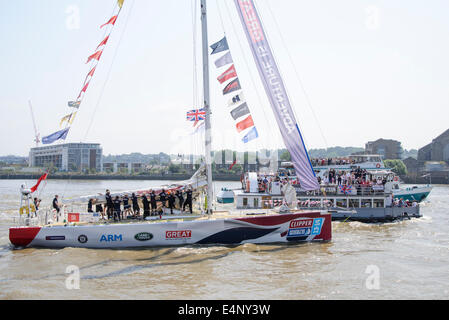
359 203
73 228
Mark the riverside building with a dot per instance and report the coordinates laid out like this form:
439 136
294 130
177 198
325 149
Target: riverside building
68 156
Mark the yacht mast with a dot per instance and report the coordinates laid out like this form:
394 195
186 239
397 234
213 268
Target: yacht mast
208 138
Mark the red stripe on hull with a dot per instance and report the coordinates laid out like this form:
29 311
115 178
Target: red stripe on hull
23 236
278 219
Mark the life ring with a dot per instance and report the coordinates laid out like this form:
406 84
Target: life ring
396 178
25 208
378 165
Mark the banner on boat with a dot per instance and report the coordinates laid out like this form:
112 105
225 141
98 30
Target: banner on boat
277 95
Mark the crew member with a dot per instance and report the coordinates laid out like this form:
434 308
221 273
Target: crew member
146 206
117 204
162 198
109 204
188 201
153 202
180 198
136 208
89 205
126 206
171 201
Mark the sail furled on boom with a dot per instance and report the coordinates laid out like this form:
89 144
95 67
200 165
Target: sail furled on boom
277 95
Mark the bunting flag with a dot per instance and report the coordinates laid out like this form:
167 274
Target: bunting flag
120 3
74 104
83 90
228 74
240 111
72 117
245 124
224 60
230 167
236 99
62 134
111 21
43 177
65 118
91 72
232 86
95 56
251 135
220 46
102 43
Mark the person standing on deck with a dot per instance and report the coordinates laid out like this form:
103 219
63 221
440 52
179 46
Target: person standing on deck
162 198
188 201
109 204
99 209
126 207
171 201
136 208
180 198
56 204
153 202
89 205
146 206
117 210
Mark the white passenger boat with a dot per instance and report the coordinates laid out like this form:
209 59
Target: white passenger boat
75 228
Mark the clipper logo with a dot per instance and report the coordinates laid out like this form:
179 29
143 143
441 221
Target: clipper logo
305 227
179 234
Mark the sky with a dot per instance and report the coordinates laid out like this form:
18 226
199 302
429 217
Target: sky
355 71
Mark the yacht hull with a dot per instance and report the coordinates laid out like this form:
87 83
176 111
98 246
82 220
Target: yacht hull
259 229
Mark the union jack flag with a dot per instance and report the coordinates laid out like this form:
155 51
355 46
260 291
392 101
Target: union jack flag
345 189
196 115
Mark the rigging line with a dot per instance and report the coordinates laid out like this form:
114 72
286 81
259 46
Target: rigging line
269 127
308 101
109 71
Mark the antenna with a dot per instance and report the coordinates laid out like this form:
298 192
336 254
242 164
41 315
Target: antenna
36 133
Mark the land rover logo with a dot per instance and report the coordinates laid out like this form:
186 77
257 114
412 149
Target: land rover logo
82 238
143 236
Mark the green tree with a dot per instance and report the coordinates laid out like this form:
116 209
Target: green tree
397 166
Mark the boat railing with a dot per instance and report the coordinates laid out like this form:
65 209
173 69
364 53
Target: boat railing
344 190
38 218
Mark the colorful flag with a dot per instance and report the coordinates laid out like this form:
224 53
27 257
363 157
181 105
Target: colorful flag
228 74
62 134
196 115
232 86
43 177
95 56
72 118
120 3
220 46
74 104
240 111
102 43
239 97
83 89
244 124
235 161
111 21
251 135
66 118
224 60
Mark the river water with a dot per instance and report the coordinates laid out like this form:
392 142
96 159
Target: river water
400 260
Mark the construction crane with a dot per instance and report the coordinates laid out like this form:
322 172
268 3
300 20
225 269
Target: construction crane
36 133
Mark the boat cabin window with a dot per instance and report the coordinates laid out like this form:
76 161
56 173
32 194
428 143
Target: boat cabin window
378 203
256 202
366 203
245 202
342 203
354 203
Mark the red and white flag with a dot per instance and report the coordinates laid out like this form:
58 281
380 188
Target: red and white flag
102 43
228 74
111 21
43 177
95 56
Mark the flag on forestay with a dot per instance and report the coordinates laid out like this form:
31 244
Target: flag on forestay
220 46
245 124
96 56
251 135
228 74
224 60
74 104
238 98
62 134
232 86
240 111
102 43
111 21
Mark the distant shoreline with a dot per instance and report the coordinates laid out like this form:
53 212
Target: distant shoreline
173 177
